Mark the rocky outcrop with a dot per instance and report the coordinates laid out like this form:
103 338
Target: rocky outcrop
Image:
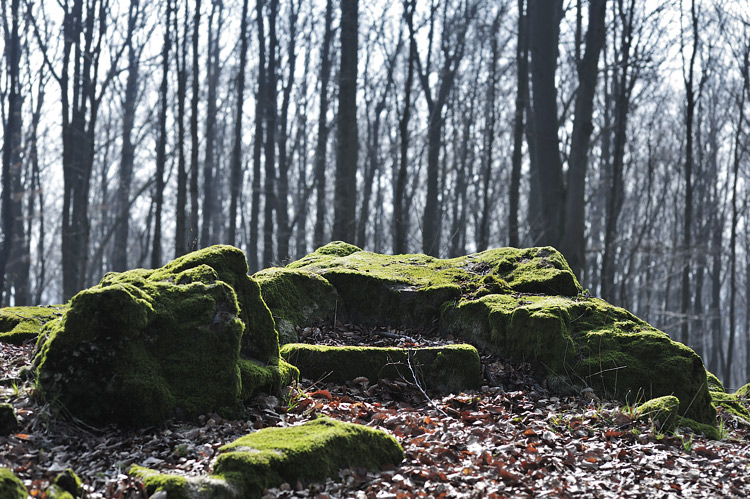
524 304
21 324
144 346
267 458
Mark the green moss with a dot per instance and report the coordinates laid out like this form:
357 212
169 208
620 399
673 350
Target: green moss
731 404
709 431
662 410
180 487
68 481
308 452
714 383
8 420
743 391
11 487
296 298
147 345
21 324
452 368
57 492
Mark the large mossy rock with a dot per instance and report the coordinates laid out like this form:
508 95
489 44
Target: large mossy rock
525 304
21 324
11 487
144 346
309 452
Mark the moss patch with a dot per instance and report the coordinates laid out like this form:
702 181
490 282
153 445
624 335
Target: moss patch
743 391
68 481
296 298
714 383
11 486
662 410
308 452
180 487
21 324
731 404
144 346
452 368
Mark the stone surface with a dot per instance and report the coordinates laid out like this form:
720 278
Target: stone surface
8 420
144 346
21 324
661 410
524 304
452 368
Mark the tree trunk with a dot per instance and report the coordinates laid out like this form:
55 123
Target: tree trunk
320 148
192 243
260 107
161 147
347 148
235 185
522 97
544 31
120 249
573 237
180 239
271 111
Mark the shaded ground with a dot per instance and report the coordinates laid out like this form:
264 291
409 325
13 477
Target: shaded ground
511 438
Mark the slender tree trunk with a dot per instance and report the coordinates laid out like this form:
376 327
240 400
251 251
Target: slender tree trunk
573 236
271 113
180 239
192 243
11 138
347 150
120 249
236 159
253 261
161 147
212 66
320 148
522 101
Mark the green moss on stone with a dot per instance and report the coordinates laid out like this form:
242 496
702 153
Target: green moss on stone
662 410
21 324
68 481
147 345
731 404
296 298
308 452
11 487
743 391
714 383
452 368
181 487
709 431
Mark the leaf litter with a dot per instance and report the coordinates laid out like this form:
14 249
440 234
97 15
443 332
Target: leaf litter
511 438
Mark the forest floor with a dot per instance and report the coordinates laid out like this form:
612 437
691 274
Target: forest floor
511 438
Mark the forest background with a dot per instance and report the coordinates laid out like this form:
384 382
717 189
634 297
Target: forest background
614 130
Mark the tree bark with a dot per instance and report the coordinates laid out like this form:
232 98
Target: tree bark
271 114
192 243
347 150
180 239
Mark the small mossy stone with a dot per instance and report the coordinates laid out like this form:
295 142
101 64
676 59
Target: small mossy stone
731 403
296 298
714 383
312 451
662 410
21 324
67 480
743 391
452 368
11 487
8 420
184 487
709 431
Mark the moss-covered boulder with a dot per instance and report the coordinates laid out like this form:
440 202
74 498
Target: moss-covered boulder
144 346
11 487
309 452
296 297
661 410
21 324
525 304
452 368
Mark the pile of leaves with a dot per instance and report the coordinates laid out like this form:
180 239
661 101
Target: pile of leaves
511 438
